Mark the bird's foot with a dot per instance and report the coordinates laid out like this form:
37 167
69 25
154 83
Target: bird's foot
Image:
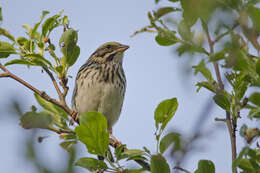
115 142
74 117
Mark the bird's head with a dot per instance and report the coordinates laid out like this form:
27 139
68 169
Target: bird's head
109 52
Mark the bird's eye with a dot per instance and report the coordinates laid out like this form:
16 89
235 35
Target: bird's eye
108 46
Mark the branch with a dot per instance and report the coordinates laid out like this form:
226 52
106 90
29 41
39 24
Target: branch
54 82
231 129
35 90
225 33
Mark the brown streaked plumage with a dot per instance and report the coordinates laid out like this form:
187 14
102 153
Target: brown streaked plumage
100 83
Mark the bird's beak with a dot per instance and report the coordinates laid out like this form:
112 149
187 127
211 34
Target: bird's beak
122 48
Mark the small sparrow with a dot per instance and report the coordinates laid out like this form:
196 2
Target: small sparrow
100 84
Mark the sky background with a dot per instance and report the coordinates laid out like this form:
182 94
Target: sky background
154 73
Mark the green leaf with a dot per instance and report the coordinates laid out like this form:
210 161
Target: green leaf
130 154
164 112
164 10
5 33
6 49
21 40
190 48
68 46
36 120
1 16
51 107
92 132
245 165
159 164
204 71
258 67
91 164
39 58
134 170
166 38
236 162
173 0
171 138
217 56
18 61
68 145
254 113
255 98
157 1
222 101
49 24
184 31
208 85
27 27
254 14
205 166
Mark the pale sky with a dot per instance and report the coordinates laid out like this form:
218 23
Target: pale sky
153 74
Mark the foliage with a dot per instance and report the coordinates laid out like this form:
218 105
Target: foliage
232 55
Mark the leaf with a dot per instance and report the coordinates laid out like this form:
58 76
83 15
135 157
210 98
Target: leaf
134 170
38 57
166 38
236 162
51 107
205 166
184 31
258 67
1 16
222 101
21 40
206 85
91 164
254 113
36 120
6 49
5 33
92 132
48 25
203 70
67 145
68 46
173 0
159 164
255 98
171 138
190 48
27 27
130 154
18 61
217 56
254 14
164 112
163 11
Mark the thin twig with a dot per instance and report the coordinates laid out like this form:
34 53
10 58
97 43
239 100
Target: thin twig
4 75
54 82
225 33
220 119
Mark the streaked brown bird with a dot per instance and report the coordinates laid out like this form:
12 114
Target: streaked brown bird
100 83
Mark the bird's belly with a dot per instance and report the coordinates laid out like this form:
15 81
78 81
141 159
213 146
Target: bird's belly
105 98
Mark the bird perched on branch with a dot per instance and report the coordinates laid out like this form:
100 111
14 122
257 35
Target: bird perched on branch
100 83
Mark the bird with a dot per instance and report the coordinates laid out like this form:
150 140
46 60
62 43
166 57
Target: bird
100 83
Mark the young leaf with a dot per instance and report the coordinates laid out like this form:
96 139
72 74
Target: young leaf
6 49
258 67
36 120
222 101
130 153
166 38
163 11
5 33
21 40
92 132
39 58
164 112
207 85
168 140
48 25
205 166
91 164
18 61
159 164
